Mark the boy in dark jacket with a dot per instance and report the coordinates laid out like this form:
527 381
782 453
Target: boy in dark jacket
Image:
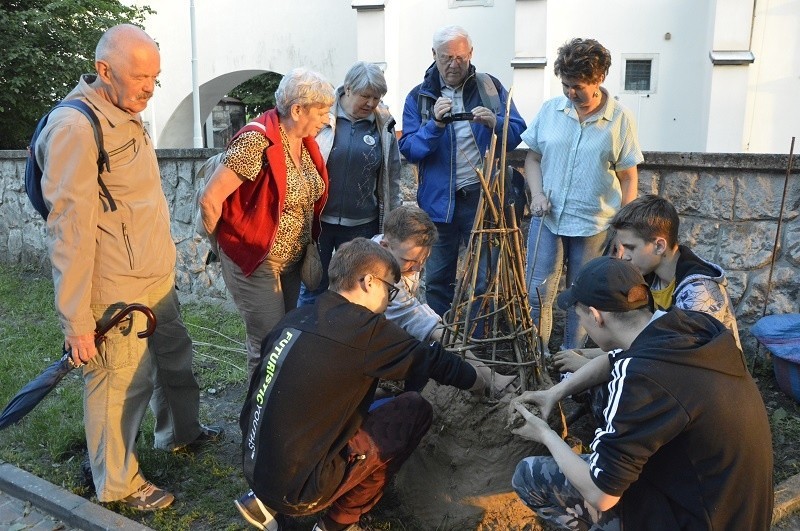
310 440
646 234
686 441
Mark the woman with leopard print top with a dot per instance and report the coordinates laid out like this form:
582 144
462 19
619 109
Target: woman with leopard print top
262 204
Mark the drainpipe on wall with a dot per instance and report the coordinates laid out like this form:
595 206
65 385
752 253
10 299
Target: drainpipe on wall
198 131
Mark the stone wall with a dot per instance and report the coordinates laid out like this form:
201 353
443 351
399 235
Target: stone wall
729 207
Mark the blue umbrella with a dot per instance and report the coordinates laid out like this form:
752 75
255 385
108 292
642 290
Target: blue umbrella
35 390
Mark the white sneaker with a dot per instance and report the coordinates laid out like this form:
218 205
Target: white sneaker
256 513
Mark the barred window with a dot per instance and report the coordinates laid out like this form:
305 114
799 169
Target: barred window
637 74
640 73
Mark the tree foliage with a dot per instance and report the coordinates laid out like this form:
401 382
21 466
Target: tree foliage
257 93
46 45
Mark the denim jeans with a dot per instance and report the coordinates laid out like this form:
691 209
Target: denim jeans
440 269
542 486
330 239
552 253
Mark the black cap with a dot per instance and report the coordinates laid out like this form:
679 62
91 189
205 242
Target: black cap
607 284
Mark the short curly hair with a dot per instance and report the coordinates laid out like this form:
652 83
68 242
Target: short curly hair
584 59
303 87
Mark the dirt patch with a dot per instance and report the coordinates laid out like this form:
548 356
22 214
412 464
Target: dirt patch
460 476
782 410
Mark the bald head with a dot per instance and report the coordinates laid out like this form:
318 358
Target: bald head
118 39
128 63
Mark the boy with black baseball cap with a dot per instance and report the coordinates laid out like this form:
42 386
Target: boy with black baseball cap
686 441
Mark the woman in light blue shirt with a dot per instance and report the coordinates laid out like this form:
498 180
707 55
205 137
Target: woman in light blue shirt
581 168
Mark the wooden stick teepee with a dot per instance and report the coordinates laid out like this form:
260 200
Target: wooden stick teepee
491 317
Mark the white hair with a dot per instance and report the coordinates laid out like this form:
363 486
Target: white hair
364 76
449 33
304 87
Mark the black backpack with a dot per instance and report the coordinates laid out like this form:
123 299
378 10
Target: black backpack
33 173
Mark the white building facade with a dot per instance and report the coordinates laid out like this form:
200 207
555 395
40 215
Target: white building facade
699 75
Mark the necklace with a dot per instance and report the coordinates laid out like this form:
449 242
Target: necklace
294 152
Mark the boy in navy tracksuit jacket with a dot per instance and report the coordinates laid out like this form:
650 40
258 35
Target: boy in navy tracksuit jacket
686 441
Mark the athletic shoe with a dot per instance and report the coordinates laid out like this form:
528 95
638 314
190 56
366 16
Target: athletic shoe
256 513
320 526
208 434
148 498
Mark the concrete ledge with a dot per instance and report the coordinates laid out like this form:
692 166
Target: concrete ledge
787 499
62 504
711 162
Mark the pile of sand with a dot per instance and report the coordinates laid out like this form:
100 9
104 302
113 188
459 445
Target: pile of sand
460 475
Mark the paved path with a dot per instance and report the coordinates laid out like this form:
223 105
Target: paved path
29 502
16 515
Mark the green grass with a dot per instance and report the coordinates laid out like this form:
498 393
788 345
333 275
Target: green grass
31 340
49 442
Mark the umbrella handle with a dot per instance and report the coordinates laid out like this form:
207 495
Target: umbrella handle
151 321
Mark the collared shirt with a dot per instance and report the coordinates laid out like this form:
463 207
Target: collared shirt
354 167
406 310
579 161
468 157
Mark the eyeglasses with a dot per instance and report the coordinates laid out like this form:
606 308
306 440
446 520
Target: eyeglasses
393 290
447 59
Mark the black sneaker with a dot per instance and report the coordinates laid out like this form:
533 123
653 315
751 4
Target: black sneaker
258 514
208 434
86 473
148 498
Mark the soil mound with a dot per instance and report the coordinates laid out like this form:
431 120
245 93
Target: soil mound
460 475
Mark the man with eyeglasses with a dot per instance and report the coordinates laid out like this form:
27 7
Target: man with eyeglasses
311 440
448 122
409 235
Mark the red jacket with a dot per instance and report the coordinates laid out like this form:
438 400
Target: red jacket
250 215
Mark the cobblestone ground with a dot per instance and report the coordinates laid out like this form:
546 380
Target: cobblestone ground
16 515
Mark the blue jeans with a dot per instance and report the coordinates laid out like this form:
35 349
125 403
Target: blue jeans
331 237
553 253
440 269
542 486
